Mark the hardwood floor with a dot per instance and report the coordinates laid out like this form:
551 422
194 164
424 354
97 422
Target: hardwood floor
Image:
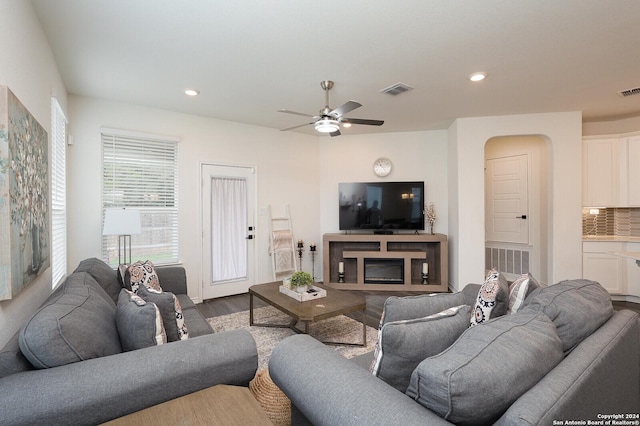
375 302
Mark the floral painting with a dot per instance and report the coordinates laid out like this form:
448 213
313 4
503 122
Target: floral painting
24 196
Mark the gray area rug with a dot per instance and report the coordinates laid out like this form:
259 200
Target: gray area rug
340 329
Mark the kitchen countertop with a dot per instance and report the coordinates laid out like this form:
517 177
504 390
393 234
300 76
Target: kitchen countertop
633 255
613 238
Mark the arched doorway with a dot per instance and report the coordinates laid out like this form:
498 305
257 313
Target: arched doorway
517 219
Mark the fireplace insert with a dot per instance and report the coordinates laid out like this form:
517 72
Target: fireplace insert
383 271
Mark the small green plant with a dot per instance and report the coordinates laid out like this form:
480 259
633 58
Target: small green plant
300 278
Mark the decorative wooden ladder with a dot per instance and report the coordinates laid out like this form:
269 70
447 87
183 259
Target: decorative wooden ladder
281 245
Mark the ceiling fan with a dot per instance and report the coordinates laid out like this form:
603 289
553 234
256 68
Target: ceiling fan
329 120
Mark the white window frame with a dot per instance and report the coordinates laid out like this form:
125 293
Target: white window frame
58 193
140 171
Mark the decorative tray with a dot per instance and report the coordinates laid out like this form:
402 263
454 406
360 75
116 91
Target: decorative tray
312 293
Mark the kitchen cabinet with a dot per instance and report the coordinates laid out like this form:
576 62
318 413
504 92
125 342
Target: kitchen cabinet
599 264
618 274
632 270
600 170
611 171
633 171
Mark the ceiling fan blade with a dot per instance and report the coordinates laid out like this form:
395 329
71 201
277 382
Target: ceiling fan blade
336 133
345 108
297 113
363 121
295 127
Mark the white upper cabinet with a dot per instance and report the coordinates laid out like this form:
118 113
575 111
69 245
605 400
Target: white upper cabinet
611 172
600 172
633 170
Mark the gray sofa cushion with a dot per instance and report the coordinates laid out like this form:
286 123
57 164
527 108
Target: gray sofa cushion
576 307
11 359
139 323
103 274
95 391
411 307
601 375
402 345
477 378
172 278
170 309
76 325
196 323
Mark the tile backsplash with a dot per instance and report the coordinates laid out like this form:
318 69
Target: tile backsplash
611 221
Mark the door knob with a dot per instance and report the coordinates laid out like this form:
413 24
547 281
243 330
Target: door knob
524 216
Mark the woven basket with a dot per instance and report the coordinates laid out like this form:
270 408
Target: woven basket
273 401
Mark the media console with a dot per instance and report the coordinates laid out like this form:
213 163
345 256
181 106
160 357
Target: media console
386 262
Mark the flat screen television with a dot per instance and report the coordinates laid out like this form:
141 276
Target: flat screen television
381 206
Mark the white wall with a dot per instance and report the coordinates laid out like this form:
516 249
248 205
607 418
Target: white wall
467 137
28 68
416 156
300 170
286 164
614 127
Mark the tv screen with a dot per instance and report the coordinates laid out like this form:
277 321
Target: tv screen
385 206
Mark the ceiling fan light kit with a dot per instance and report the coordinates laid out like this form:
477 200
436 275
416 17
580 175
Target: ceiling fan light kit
327 126
329 120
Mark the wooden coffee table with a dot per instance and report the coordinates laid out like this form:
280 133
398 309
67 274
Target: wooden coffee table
336 303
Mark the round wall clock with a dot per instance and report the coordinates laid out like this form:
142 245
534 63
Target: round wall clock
382 167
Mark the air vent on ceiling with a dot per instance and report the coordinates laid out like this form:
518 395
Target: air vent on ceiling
396 89
629 92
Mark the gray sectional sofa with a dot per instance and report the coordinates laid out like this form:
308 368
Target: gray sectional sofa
98 381
564 356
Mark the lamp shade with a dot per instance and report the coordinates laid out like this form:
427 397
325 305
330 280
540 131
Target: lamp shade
121 221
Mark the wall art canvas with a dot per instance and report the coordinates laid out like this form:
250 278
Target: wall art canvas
24 196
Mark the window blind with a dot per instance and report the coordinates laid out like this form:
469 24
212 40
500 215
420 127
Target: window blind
141 172
58 194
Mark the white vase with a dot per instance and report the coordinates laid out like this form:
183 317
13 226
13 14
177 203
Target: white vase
301 289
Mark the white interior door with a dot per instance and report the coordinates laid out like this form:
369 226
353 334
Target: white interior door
228 231
507 205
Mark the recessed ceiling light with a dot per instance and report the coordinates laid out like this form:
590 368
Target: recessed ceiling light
477 76
191 92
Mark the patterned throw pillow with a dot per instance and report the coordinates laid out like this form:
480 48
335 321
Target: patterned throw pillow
170 310
121 272
139 323
142 273
493 298
519 290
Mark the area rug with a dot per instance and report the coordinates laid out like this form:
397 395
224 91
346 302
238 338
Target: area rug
337 329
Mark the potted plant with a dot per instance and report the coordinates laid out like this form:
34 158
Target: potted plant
300 281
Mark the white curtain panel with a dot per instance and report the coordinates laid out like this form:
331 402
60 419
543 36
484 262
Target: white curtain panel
228 229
